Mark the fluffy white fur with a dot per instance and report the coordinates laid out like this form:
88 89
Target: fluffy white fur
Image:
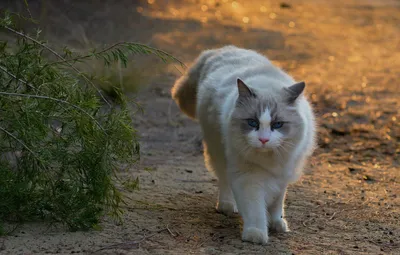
253 176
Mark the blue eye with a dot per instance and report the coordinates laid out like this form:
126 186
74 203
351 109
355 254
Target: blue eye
252 123
276 125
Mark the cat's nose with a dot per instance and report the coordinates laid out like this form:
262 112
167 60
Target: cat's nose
263 140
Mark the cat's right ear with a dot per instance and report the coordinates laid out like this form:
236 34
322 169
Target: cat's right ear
294 91
244 90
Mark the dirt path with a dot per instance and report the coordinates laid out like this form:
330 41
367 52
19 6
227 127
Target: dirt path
348 201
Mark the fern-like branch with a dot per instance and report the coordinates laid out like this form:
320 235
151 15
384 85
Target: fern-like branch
136 48
60 57
19 141
57 100
15 77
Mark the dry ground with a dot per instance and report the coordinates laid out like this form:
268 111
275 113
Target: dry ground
347 202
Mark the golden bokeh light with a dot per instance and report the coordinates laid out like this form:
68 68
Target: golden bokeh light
139 9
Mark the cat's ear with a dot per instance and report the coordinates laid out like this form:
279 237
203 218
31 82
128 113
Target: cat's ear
244 90
294 91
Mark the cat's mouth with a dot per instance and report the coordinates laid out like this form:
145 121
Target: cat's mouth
263 148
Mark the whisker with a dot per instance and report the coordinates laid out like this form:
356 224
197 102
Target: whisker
288 143
244 150
279 154
284 149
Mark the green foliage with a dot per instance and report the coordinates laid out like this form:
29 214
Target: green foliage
132 185
110 64
60 145
116 78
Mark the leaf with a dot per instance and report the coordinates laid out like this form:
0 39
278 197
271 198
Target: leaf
368 178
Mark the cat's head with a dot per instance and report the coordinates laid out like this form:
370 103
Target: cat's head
267 120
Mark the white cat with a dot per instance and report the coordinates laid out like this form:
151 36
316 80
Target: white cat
258 131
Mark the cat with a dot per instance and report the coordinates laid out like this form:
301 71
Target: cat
258 130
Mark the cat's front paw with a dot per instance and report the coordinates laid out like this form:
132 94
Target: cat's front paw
227 207
255 235
279 226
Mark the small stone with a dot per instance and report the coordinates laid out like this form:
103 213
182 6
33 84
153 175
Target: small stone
285 5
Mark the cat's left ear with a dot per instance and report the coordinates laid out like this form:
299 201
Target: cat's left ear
294 91
244 90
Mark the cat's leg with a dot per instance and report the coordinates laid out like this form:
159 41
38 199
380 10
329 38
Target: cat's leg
276 208
216 162
250 198
226 203
277 214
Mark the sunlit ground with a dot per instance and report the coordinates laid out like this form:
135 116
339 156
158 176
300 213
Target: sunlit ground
348 52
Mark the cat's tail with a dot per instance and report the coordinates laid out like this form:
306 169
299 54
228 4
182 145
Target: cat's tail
184 91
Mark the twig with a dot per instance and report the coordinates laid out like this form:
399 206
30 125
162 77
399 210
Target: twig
18 140
27 8
57 100
35 41
344 210
304 224
60 57
15 77
153 50
198 245
333 215
121 79
149 208
160 51
130 244
366 201
3 246
147 205
386 245
86 56
169 230
170 121
13 229
194 181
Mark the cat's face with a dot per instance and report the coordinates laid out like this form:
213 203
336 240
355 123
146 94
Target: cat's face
267 122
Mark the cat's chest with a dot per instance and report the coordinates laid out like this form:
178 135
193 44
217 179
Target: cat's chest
263 162
270 169
272 185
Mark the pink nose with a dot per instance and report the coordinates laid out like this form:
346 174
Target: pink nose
263 140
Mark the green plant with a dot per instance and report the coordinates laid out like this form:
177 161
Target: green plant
116 78
132 184
61 141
